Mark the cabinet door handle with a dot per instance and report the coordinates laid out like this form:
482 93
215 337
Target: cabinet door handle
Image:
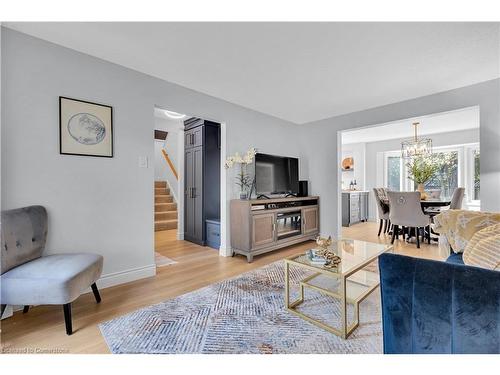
194 192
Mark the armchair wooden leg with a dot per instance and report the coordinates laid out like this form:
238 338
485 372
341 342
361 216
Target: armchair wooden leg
67 318
380 227
96 293
429 234
417 235
26 308
2 309
385 226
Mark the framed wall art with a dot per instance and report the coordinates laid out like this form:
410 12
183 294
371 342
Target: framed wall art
85 128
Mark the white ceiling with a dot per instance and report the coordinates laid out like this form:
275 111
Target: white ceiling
467 118
300 72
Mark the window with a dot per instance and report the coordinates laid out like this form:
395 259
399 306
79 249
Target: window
458 166
393 173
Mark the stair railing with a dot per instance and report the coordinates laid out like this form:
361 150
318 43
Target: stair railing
170 164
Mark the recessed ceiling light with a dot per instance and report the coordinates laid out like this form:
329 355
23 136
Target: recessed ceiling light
174 115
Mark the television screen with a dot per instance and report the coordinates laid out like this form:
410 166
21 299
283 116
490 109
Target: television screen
276 174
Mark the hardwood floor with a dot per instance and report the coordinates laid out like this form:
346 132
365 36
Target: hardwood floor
42 329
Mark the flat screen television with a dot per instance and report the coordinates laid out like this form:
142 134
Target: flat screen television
276 175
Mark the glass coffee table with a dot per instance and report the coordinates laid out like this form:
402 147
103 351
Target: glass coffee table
352 280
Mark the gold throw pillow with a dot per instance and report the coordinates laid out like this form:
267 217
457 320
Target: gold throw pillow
483 249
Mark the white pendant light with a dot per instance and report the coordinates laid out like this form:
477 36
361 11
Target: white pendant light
416 147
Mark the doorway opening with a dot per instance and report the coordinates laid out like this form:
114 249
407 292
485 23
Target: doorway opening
187 186
373 161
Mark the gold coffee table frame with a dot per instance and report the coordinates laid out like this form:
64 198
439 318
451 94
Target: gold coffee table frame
349 292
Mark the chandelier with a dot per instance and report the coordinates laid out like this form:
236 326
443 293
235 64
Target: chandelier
416 147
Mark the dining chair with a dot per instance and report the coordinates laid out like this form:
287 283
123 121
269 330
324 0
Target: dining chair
455 203
457 198
406 212
383 212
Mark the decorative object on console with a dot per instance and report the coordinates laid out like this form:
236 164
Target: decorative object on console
421 170
243 180
332 260
347 164
85 128
416 147
323 242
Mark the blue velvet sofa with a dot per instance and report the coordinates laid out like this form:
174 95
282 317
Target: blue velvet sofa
438 307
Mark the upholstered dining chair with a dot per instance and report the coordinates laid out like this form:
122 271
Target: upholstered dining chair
383 210
406 212
457 198
28 278
455 203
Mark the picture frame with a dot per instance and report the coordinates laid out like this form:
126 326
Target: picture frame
85 128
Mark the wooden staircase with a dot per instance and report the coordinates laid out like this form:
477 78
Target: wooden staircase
165 208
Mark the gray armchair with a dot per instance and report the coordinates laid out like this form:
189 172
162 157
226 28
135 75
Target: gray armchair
28 278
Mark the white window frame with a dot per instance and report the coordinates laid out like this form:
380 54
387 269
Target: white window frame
469 184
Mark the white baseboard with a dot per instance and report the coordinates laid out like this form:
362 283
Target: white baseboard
126 276
225 251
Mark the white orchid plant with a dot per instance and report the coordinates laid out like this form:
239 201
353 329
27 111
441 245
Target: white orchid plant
243 180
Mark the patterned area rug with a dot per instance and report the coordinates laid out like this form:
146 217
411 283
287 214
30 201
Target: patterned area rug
245 314
161 260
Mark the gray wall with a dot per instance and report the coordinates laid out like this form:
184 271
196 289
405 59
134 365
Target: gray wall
99 204
321 143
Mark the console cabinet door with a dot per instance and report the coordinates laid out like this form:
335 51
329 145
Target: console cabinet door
310 219
199 222
197 136
262 229
189 212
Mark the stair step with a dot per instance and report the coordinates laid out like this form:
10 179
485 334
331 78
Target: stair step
167 215
163 199
163 207
165 224
160 184
162 191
